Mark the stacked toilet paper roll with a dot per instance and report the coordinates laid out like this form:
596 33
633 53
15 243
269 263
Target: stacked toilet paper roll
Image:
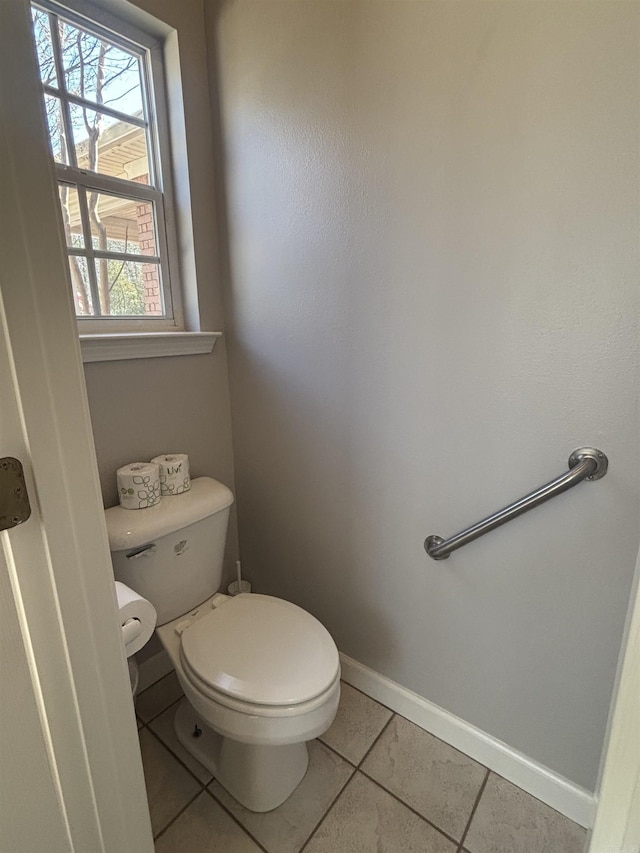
137 619
174 473
138 485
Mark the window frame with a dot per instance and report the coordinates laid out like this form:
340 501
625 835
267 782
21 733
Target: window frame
150 51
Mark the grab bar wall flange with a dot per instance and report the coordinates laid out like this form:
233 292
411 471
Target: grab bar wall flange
585 463
582 453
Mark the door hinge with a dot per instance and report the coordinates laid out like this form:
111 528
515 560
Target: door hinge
14 500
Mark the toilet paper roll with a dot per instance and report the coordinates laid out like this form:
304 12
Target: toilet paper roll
138 485
137 619
174 473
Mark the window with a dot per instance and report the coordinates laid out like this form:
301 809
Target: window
104 101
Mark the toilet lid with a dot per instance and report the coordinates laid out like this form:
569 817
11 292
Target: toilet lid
262 650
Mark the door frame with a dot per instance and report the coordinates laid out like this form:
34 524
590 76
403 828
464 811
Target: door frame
62 578
616 827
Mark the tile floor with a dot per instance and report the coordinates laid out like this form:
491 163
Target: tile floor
376 783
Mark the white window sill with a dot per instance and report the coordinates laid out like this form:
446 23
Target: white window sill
118 347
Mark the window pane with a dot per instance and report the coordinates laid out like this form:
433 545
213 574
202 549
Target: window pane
71 216
80 284
55 124
133 288
44 47
101 216
104 144
99 71
121 224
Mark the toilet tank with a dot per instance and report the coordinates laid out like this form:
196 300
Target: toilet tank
172 553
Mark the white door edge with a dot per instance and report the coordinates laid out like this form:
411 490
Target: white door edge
62 581
617 824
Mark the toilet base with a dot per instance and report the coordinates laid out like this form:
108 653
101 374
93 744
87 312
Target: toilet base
259 777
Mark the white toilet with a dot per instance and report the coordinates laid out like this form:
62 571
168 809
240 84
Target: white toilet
260 675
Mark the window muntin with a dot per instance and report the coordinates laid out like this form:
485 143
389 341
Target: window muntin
104 142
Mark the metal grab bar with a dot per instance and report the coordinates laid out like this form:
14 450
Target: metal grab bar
586 463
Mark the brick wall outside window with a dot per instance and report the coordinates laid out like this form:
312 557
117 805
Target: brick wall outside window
150 272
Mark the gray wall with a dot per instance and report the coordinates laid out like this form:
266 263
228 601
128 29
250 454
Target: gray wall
433 219
145 407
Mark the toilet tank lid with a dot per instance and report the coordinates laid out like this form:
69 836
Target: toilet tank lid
131 528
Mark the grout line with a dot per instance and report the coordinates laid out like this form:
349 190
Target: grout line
170 705
355 770
155 716
357 764
162 678
473 811
335 752
233 817
327 810
175 818
537 799
411 809
382 731
377 701
179 760
426 731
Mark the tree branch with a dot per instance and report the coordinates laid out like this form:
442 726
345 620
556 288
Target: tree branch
126 246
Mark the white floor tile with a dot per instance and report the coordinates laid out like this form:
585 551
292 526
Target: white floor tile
358 723
432 777
159 696
508 820
205 828
169 785
366 819
163 727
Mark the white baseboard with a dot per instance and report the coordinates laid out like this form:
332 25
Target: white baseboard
554 790
153 669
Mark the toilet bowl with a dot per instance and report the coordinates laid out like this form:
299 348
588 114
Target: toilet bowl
261 676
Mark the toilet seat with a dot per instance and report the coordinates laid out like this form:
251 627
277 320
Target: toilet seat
253 709
261 655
